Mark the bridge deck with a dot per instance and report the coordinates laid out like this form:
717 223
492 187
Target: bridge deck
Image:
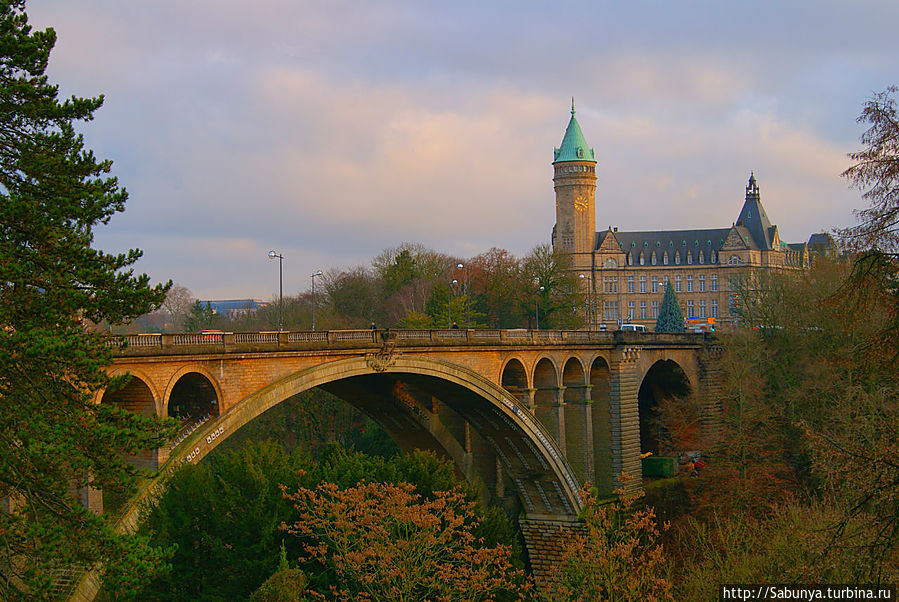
244 342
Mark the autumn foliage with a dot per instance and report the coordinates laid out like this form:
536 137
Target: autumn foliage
381 541
619 555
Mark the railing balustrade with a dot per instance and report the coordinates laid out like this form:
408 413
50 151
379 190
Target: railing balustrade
307 336
142 344
353 335
408 335
203 338
255 337
518 334
452 334
486 334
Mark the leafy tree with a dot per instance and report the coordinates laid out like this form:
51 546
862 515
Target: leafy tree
353 296
671 318
385 542
286 585
619 557
222 516
53 191
877 172
750 470
178 303
201 317
809 421
494 279
416 321
559 300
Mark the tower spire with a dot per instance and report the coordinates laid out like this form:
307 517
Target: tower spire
574 146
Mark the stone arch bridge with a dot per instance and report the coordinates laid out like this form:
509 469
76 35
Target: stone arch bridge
532 414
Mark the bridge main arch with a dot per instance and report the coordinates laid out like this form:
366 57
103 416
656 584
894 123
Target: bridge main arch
533 462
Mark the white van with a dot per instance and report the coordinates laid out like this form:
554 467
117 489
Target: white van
633 328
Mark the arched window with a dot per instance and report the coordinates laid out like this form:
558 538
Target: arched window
642 259
653 258
630 259
665 258
611 263
677 258
689 257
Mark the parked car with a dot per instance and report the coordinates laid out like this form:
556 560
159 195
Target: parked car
633 328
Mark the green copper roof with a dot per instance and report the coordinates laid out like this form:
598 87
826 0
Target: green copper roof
574 146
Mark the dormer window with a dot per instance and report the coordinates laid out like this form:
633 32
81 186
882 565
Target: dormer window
701 257
665 258
653 258
677 258
689 258
642 259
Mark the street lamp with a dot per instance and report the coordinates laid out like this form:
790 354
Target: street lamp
449 302
467 297
272 255
317 273
536 311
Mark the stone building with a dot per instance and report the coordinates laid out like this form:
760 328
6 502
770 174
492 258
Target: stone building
625 273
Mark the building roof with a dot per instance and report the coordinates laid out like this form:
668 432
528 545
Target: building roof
226 305
822 241
669 240
754 218
574 145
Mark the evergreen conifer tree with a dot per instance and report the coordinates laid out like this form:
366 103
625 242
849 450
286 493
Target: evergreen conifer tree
53 437
671 318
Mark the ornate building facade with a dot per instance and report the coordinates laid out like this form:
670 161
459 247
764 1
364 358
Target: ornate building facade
625 273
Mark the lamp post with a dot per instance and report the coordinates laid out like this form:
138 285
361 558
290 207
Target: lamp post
317 273
467 299
449 302
536 310
272 255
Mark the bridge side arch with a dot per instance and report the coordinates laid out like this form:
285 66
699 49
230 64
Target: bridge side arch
136 375
163 404
664 382
514 378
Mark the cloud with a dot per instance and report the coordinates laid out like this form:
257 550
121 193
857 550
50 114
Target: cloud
334 129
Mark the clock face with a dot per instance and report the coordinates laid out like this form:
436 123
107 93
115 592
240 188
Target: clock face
580 205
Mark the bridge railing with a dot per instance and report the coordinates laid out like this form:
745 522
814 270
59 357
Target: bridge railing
267 340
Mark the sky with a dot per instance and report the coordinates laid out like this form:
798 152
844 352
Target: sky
330 130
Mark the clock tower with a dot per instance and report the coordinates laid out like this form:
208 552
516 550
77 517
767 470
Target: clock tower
574 180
